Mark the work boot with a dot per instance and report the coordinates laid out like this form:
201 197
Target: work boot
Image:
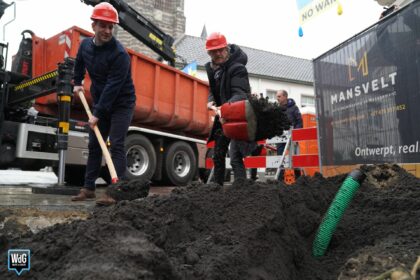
83 195
105 200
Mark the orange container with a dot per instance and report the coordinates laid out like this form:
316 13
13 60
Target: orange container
167 99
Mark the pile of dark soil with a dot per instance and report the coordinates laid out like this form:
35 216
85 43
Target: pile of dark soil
244 231
128 190
271 118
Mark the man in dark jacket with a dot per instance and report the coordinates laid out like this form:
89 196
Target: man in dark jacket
289 106
229 82
295 117
112 91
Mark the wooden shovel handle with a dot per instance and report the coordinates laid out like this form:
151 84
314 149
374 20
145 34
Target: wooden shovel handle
105 152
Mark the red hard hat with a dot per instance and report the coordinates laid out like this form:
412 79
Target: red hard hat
106 12
215 41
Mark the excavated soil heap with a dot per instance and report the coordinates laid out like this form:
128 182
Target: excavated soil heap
245 231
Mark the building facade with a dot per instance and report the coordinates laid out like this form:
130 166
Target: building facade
168 15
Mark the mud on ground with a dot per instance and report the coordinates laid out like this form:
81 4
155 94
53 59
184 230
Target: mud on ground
18 221
244 231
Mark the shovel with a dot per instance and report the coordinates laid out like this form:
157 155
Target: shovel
105 152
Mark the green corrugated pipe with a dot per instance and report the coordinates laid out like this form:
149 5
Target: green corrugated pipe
335 211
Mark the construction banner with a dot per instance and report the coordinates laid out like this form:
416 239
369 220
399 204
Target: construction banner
309 9
368 94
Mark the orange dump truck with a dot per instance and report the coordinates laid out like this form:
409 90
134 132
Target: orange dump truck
166 139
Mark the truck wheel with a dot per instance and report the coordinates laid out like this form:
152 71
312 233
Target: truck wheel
141 157
180 163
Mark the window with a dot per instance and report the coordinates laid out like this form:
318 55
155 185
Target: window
307 100
271 94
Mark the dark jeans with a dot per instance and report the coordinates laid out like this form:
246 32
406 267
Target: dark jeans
238 151
255 152
116 127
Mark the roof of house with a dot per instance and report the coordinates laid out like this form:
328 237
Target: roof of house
261 63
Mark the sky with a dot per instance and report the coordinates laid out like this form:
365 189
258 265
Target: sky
270 25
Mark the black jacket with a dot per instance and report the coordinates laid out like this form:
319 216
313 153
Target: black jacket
233 84
109 69
293 113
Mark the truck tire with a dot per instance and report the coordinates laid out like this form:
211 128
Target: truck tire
141 157
179 163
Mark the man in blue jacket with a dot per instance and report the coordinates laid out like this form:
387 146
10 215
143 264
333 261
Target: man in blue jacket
293 113
112 91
